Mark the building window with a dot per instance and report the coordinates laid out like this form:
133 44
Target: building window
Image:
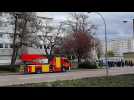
6 45
11 46
40 46
44 46
1 35
1 45
6 36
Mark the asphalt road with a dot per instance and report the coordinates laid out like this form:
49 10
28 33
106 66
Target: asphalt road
6 80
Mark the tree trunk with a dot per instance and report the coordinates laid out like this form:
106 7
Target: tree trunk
50 52
79 60
13 59
50 55
14 56
46 52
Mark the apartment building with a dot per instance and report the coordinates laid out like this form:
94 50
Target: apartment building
119 46
5 40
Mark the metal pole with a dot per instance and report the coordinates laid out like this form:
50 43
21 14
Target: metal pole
107 72
133 28
125 21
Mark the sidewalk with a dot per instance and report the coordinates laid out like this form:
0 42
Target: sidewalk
50 77
73 70
8 73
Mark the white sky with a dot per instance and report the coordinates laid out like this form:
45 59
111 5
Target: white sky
115 27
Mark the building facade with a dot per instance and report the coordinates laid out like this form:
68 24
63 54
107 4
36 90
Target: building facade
119 46
5 40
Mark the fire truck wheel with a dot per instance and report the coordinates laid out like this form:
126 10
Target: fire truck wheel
25 72
38 71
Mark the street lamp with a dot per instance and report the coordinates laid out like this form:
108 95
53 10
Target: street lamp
125 21
105 39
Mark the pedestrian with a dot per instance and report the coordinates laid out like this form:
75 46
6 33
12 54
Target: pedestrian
125 63
108 64
131 63
122 63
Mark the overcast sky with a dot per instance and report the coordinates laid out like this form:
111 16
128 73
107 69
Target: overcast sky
115 27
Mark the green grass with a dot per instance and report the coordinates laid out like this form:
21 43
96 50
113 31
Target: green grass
112 81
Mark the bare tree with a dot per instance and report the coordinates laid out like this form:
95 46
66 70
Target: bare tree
50 36
98 47
24 32
79 22
80 29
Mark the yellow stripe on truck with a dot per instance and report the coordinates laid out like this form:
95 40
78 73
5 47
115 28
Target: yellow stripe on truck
58 62
33 68
45 68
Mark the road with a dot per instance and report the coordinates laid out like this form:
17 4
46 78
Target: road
6 80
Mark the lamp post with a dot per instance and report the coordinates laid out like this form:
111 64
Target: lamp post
125 21
107 72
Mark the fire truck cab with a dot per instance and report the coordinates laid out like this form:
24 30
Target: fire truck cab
34 63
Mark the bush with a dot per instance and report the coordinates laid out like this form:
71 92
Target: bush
13 68
88 65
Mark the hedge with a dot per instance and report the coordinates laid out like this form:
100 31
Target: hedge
13 68
88 65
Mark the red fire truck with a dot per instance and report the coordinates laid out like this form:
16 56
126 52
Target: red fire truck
35 63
